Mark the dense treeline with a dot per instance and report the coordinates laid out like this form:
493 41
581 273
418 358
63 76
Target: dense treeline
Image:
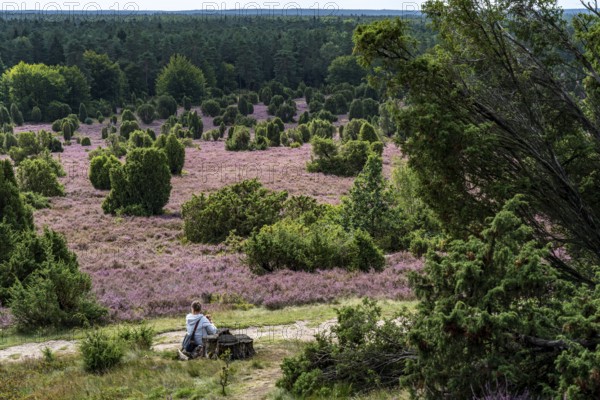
231 52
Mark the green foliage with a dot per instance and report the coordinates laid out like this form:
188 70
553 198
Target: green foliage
16 115
38 176
35 200
352 130
5 117
321 128
175 152
36 114
195 124
211 108
243 207
100 352
56 294
186 103
166 106
142 186
369 203
229 115
146 112
100 167
127 127
13 212
83 114
181 78
67 130
225 371
360 352
9 141
240 140
140 138
128 116
503 271
356 109
345 160
106 76
294 245
47 87
85 141
368 134
138 338
345 69
42 284
57 110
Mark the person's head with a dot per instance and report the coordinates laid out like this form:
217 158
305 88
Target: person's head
196 307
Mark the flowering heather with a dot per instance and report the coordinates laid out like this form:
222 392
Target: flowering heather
141 268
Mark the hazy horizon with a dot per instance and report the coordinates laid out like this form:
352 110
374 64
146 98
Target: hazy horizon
218 5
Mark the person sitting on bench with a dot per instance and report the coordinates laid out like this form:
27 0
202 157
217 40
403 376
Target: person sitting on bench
198 325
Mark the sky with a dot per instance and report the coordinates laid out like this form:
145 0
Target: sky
322 7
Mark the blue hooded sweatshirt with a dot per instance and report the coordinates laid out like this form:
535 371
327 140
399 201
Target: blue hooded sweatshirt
205 327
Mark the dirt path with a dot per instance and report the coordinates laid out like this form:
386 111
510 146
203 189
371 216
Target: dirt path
170 340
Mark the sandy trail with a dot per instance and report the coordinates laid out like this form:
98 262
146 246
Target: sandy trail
171 340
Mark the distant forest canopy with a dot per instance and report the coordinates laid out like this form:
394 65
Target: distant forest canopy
122 57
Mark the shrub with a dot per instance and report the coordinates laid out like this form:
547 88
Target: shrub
140 138
83 114
259 143
325 115
100 167
57 110
345 160
16 115
142 186
240 140
85 141
321 128
377 148
88 121
243 207
230 115
361 353
13 212
211 108
356 109
128 116
244 106
4 115
370 108
139 338
67 130
37 201
186 103
100 352
38 176
9 141
290 244
352 130
56 294
36 114
166 106
304 118
127 127
368 134
213 134
195 124
175 152
146 112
